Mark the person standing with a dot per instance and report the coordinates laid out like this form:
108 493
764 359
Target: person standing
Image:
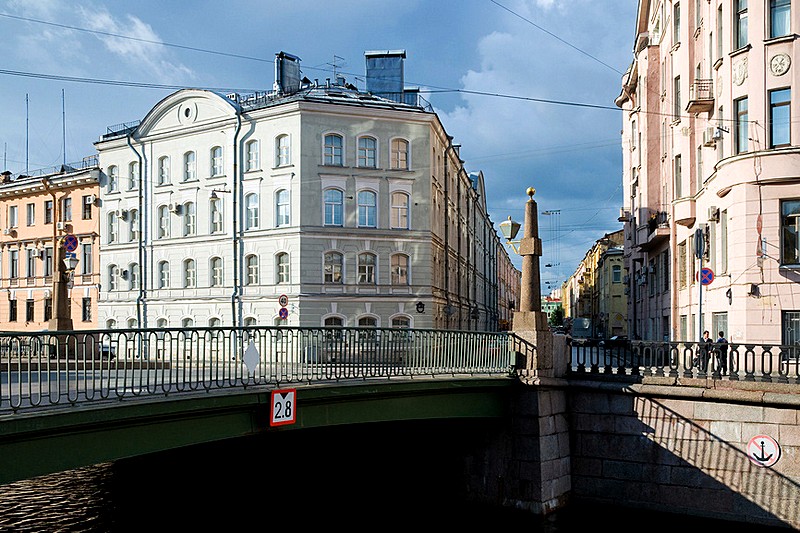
704 351
722 352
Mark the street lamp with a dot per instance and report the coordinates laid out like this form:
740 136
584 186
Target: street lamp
510 228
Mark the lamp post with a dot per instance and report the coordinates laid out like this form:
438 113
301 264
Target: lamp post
62 274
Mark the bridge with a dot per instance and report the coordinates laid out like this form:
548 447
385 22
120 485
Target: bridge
637 423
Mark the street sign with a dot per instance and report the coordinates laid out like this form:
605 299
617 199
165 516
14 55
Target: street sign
70 243
706 276
284 407
283 313
699 243
283 300
763 450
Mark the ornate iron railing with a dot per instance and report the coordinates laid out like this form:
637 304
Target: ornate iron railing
728 361
63 368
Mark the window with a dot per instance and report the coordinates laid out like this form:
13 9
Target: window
189 166
48 211
334 204
28 310
48 309
133 276
86 309
48 261
252 269
86 212
333 150
132 323
367 209
401 322
12 310
740 125
253 162
13 216
216 161
282 268
31 256
367 322
87 263
189 219
367 152
791 328
676 98
682 265
66 209
282 208
399 269
113 178
13 264
779 117
112 227
163 222
31 214
113 273
187 322
790 229
163 170
366 268
779 18
282 152
399 154
133 175
133 225
740 23
163 275
111 323
215 208
616 274
723 242
216 272
676 23
400 203
251 207
333 267
189 274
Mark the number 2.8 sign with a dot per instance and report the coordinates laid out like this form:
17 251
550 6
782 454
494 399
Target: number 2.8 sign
284 407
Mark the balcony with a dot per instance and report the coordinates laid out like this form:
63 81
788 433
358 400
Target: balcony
701 97
685 211
657 231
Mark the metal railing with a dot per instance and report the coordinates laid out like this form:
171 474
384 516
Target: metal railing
730 361
65 368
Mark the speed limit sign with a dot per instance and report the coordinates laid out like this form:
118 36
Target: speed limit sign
283 300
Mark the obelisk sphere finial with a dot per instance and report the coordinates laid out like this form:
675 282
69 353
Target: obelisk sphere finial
530 192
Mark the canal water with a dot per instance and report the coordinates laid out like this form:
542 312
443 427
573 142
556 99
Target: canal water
370 478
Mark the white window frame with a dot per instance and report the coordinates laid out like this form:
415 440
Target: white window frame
253 156
367 152
189 166
217 163
333 154
283 152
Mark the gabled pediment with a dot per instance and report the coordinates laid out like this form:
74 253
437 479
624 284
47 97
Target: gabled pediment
184 109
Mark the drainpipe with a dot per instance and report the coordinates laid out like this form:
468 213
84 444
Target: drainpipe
141 318
236 297
447 309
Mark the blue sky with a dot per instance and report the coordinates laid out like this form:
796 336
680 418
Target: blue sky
526 87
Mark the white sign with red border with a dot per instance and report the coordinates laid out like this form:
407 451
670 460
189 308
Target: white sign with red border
283 300
763 450
284 407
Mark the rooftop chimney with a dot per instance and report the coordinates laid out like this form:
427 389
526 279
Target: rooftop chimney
287 73
385 73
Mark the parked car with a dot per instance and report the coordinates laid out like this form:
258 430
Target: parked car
617 341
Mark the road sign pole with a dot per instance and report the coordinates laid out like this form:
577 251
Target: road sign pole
699 248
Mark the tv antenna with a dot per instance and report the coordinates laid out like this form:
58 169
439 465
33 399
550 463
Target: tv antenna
335 64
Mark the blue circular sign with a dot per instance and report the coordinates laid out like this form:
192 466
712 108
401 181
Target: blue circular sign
283 313
706 276
70 243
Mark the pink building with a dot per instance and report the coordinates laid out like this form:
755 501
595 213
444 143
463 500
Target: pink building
710 152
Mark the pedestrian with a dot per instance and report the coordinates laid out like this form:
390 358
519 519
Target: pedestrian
722 352
704 351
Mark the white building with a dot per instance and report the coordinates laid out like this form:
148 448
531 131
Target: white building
313 204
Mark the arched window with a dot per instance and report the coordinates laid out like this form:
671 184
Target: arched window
216 161
282 153
133 175
187 322
111 323
163 222
113 178
366 268
189 166
132 323
401 322
282 268
334 322
189 274
163 275
400 202
216 272
367 322
251 207
367 152
399 269
133 276
215 208
253 162
334 207
250 321
113 274
189 219
333 267
112 227
214 322
399 154
133 225
163 170
282 208
252 269
367 209
333 150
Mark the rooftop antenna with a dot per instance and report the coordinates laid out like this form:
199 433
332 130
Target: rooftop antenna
63 129
26 134
335 65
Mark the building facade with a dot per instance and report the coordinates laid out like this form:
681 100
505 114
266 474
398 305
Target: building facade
710 170
38 212
315 204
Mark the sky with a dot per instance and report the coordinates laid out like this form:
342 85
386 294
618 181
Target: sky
526 87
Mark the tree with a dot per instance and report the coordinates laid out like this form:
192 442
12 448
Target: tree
556 317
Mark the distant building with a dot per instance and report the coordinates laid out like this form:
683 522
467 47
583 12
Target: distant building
36 213
711 167
315 204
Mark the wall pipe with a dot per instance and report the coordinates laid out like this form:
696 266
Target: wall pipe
236 298
141 315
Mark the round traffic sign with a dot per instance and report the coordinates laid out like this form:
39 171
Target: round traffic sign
283 300
763 450
70 243
706 276
283 313
699 243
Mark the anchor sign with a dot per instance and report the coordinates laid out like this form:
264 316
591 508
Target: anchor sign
763 450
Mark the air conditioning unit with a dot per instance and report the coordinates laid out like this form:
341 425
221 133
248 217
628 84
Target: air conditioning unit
717 133
61 226
175 208
709 137
47 293
93 199
7 231
713 214
123 214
